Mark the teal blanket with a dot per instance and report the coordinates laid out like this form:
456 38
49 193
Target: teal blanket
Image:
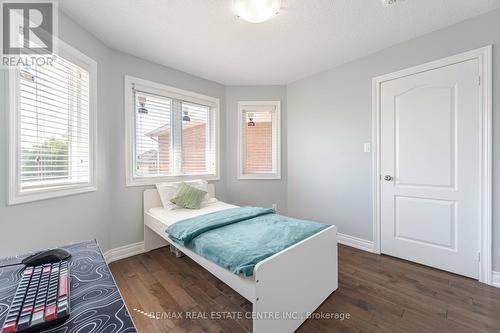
238 238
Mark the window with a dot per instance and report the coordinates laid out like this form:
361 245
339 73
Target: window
259 140
52 128
172 134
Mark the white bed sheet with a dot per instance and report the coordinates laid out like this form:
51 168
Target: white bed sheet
171 216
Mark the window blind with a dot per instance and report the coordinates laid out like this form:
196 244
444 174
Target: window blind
258 140
198 151
54 126
152 134
173 137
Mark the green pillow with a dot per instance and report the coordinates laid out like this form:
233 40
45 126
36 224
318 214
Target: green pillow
188 197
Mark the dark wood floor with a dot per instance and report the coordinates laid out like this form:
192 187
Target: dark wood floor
381 294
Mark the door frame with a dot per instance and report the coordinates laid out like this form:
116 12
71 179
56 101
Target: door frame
485 77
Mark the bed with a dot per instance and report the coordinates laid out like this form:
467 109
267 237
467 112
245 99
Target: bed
274 291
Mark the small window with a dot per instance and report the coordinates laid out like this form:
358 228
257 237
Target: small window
259 140
173 133
52 130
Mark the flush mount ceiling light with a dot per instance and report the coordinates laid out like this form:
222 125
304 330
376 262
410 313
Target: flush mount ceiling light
256 11
388 3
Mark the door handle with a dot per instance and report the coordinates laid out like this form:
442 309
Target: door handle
388 178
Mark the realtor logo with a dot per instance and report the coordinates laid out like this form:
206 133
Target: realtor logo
28 28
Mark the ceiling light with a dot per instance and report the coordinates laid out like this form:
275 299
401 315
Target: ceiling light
256 11
388 3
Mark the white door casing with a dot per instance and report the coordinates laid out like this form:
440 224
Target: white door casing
432 135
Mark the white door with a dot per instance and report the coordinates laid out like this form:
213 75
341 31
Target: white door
429 162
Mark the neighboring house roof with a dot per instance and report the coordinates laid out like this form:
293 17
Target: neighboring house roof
165 129
160 131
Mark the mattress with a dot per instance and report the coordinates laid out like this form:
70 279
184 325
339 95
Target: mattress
171 216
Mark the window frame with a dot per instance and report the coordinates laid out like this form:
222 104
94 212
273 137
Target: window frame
169 92
240 149
12 103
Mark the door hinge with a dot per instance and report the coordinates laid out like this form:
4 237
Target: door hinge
479 256
479 80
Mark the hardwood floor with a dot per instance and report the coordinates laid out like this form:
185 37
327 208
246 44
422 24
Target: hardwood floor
380 293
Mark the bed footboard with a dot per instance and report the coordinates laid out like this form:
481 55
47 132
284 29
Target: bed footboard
293 283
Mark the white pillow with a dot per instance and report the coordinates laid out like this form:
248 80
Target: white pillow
168 190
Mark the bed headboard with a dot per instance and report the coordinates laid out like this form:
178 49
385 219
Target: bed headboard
152 198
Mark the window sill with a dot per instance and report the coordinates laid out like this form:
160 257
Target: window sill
259 177
149 181
16 199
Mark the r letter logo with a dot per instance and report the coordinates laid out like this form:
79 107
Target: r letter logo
27 28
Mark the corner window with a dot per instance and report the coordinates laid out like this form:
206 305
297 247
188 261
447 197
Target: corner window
52 128
172 134
259 140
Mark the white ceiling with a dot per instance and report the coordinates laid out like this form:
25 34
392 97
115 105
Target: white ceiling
204 38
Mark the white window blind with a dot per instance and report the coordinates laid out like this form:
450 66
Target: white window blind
152 134
54 132
259 140
173 136
198 149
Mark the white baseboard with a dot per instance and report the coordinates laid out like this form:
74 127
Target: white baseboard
358 243
123 252
495 280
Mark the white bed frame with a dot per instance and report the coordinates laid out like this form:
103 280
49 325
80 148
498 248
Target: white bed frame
290 284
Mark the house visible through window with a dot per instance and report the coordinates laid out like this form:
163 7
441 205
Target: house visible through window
52 140
153 130
259 140
197 149
174 133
